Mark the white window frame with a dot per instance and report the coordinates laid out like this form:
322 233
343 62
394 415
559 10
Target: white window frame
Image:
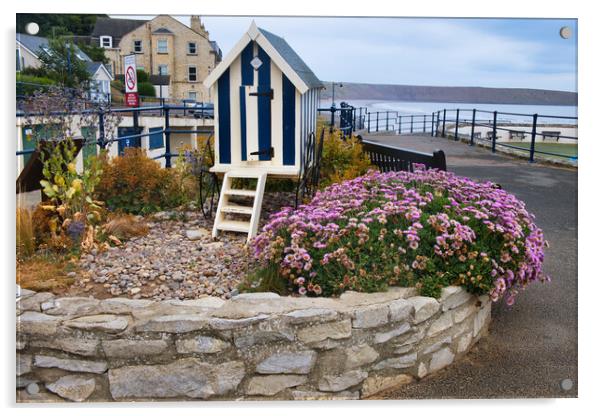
102 42
159 49
163 66
196 73
140 42
195 48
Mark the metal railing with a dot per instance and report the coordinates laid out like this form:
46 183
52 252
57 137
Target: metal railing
448 119
164 110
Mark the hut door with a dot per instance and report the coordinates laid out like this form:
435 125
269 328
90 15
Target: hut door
256 123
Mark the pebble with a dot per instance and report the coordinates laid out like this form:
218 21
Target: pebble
168 264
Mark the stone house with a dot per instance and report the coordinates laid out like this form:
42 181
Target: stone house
164 47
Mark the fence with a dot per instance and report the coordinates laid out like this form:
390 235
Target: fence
449 122
389 158
130 140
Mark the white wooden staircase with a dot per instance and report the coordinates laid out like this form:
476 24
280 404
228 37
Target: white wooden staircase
225 206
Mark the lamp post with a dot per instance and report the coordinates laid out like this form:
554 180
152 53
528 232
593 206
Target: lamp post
333 106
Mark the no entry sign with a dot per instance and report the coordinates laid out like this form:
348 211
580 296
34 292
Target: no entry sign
131 81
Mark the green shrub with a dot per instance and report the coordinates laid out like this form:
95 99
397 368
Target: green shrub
28 84
146 89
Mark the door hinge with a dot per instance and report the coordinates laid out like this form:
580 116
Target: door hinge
269 93
260 152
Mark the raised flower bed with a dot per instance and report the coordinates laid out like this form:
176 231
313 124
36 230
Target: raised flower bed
425 229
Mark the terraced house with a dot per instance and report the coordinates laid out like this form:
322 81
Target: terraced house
177 57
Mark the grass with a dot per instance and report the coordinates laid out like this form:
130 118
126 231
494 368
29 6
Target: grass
45 272
563 149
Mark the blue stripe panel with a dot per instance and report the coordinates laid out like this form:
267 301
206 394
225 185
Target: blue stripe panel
264 105
288 121
223 108
246 70
243 123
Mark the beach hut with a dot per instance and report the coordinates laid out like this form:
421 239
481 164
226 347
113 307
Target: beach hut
266 100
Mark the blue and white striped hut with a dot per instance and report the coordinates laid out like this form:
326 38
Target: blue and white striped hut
266 100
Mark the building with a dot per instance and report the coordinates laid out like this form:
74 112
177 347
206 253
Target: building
29 49
164 47
266 101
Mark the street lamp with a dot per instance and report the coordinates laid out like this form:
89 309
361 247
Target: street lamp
333 106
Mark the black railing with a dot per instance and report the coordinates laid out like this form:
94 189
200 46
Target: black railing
447 123
349 118
389 158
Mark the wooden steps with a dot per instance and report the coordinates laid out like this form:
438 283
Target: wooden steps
226 206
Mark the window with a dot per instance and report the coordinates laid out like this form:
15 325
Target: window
192 73
155 138
89 148
162 69
162 46
106 41
192 95
191 48
137 46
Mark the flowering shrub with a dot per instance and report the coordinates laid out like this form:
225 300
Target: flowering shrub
427 229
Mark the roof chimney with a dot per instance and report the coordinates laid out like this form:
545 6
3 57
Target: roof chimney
197 26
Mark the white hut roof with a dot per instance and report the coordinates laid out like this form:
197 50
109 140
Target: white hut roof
281 54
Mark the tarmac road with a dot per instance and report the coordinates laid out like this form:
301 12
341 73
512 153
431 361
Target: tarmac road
532 346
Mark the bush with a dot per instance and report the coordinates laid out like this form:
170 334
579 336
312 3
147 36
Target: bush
28 84
341 159
135 184
426 229
146 89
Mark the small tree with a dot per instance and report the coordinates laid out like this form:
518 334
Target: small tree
61 63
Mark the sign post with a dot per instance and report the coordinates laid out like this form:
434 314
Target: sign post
131 81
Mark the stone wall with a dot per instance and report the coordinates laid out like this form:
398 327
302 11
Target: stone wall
254 346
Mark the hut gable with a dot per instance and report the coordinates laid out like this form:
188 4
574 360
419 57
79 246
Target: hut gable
285 57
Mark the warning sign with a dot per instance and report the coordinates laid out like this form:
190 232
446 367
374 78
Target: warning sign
131 81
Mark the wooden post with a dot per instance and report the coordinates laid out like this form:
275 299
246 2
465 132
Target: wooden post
424 124
400 120
412 124
377 120
443 129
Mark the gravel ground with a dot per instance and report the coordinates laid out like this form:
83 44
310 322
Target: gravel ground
177 259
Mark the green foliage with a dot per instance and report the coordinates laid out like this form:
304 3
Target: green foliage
95 52
73 212
146 89
77 24
28 84
62 65
142 76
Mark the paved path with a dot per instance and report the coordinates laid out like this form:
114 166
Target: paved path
532 346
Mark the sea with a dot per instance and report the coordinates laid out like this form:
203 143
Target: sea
519 113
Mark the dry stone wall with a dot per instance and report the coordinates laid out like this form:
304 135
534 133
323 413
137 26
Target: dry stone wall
254 346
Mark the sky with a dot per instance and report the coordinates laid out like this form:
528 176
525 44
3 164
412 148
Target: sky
506 53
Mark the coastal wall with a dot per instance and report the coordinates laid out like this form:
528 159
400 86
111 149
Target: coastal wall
254 346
